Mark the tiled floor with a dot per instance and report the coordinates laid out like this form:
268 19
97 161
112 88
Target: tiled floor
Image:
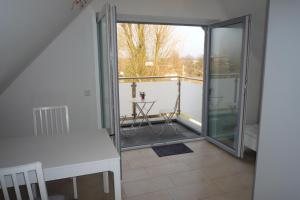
207 174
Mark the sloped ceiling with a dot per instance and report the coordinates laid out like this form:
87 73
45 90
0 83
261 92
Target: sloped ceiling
26 28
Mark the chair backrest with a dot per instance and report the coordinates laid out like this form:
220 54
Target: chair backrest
22 175
51 120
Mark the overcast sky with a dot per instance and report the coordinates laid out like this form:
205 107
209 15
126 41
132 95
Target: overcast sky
191 40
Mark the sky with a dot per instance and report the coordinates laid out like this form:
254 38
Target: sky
191 40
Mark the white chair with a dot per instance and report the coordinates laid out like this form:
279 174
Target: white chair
53 120
168 115
22 175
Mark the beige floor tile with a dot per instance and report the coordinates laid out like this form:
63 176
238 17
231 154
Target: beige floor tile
125 165
135 174
199 144
243 167
136 164
245 194
148 153
230 183
161 195
207 172
139 154
215 197
203 162
220 171
166 169
148 162
188 177
131 155
247 179
195 191
203 147
123 193
183 156
134 188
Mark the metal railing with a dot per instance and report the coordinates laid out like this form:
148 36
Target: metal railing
161 77
135 80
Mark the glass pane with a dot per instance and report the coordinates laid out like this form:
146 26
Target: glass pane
105 85
224 83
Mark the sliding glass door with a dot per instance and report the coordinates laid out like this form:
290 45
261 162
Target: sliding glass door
227 44
109 88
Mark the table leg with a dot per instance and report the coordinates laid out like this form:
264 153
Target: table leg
145 118
105 182
138 114
143 111
75 189
117 183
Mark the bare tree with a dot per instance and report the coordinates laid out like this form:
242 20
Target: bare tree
163 45
132 42
143 42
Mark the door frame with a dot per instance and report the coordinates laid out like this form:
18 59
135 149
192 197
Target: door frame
109 11
243 83
139 19
115 73
206 27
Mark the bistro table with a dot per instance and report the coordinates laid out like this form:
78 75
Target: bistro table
143 107
64 156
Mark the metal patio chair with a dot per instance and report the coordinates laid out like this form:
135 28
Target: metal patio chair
167 115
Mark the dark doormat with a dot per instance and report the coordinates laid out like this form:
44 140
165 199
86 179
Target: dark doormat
172 149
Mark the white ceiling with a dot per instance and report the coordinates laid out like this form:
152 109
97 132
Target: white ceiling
26 28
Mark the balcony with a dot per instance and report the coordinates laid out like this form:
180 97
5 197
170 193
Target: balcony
186 123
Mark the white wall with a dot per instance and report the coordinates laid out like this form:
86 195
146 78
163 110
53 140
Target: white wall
278 163
67 67
59 76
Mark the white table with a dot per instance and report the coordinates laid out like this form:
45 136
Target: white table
143 110
64 156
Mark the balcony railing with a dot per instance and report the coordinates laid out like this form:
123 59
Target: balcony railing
166 89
